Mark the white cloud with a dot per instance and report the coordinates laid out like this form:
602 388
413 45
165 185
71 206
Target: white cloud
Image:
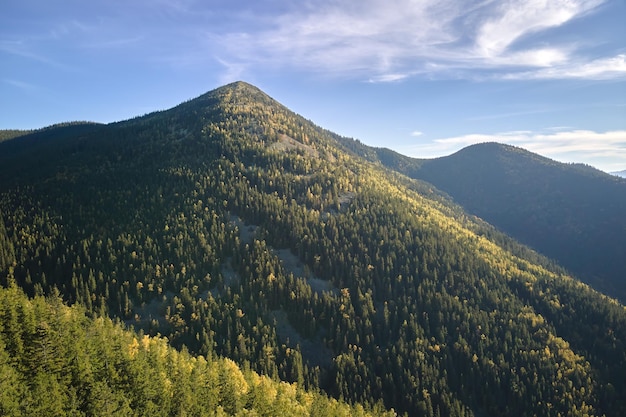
416 133
541 57
599 69
390 40
513 20
233 71
385 78
604 150
371 37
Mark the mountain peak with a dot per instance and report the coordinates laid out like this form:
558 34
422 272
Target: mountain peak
488 149
238 93
237 87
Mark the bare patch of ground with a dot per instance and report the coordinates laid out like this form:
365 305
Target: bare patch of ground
313 350
231 277
292 264
286 143
146 313
344 201
247 233
346 198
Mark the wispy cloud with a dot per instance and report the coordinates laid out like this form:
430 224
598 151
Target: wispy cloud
378 41
511 20
114 42
233 71
22 49
598 69
387 41
595 148
391 77
373 38
22 85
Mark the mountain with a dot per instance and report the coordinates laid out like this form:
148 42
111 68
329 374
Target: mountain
571 213
238 229
620 173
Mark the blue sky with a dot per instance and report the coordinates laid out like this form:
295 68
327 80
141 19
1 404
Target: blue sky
423 77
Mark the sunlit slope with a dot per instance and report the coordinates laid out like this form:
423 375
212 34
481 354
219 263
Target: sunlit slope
55 361
235 227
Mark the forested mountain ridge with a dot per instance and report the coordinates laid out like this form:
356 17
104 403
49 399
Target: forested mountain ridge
572 213
237 228
7 134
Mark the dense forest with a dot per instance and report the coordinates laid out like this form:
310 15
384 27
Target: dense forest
237 229
572 213
54 361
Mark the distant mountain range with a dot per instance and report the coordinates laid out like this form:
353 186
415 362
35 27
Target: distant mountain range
236 228
620 173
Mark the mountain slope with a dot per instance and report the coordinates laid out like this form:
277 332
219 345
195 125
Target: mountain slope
237 228
571 213
55 361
